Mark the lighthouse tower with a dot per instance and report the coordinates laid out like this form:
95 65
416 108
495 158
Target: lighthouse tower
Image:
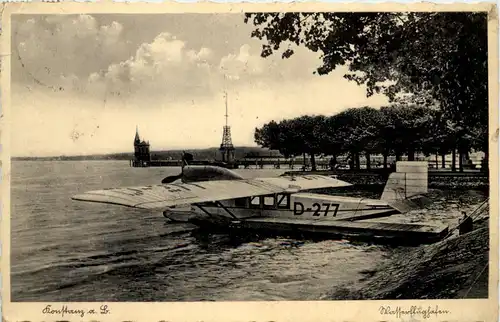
226 147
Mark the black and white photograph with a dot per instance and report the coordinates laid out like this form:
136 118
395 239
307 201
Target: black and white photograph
239 155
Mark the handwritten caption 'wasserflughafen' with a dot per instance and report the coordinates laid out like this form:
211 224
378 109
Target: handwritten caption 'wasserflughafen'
65 310
413 311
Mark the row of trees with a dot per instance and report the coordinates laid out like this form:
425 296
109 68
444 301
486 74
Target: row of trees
437 58
393 130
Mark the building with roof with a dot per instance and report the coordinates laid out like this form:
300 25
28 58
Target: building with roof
142 153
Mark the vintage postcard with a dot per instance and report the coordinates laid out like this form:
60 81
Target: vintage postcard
249 162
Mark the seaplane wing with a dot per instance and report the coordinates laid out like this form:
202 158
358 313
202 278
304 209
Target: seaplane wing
168 195
306 182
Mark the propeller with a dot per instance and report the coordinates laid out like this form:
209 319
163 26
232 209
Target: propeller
185 158
171 179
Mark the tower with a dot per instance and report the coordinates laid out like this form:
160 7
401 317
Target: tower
137 139
226 147
142 155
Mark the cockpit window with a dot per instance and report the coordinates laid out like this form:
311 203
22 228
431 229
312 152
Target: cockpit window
268 201
283 201
241 202
265 202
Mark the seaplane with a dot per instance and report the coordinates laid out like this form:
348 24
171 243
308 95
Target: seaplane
215 197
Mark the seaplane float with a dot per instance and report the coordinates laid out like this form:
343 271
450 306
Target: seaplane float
218 198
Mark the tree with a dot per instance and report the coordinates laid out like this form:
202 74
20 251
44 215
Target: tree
440 138
279 136
269 136
356 129
293 137
332 142
443 54
405 129
313 133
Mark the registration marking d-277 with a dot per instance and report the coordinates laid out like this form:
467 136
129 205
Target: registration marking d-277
318 209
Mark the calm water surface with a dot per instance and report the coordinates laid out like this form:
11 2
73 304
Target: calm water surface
64 250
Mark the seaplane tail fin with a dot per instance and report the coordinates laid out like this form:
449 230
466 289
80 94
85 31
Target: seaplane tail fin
409 180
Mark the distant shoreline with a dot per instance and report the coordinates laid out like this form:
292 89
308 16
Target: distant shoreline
199 154
65 159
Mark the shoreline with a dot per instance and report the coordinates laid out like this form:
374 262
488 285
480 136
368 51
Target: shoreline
448 181
455 268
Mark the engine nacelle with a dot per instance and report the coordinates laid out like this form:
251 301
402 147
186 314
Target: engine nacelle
197 173
208 173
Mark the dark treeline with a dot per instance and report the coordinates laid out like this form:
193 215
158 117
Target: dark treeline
394 130
438 59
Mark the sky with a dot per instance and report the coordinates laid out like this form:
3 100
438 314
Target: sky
81 84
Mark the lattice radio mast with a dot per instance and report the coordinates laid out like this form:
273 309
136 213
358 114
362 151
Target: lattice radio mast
226 147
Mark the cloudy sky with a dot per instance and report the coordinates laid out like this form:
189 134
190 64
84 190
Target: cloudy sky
82 83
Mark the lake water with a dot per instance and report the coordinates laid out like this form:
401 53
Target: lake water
64 250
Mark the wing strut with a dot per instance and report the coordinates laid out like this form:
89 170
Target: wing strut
203 209
227 210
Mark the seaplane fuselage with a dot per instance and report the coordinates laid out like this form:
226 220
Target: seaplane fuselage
283 205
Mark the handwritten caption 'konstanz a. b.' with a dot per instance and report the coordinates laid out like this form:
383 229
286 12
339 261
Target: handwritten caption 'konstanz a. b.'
413 311
65 310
